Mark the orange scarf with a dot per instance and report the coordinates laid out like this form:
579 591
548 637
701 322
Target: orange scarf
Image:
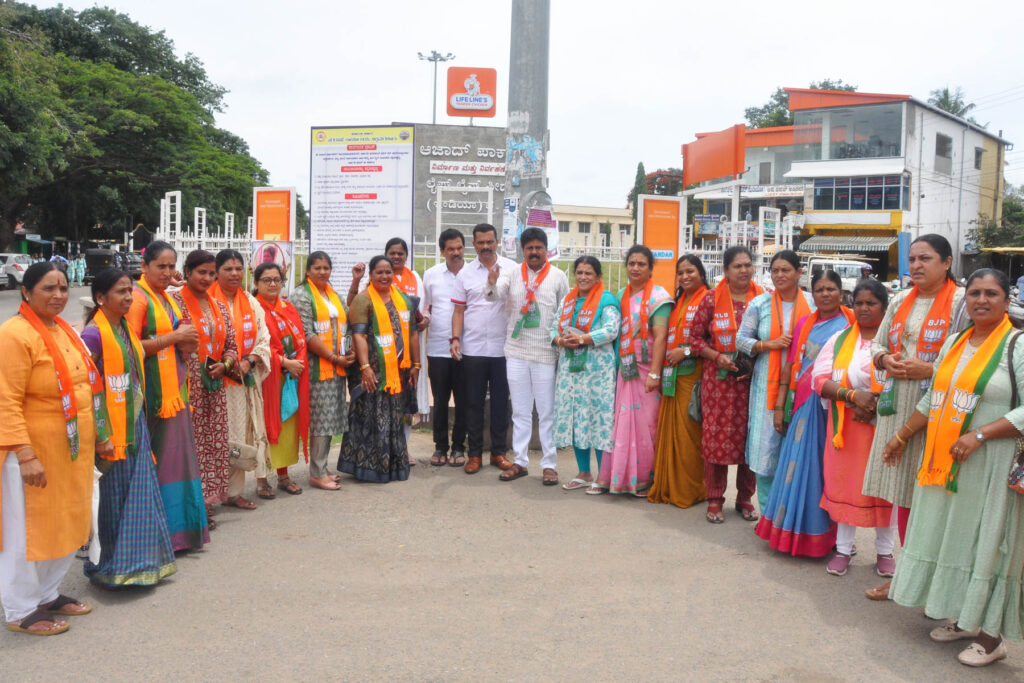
170 399
724 325
322 323
385 334
683 313
936 323
847 344
213 333
118 382
775 356
953 403
587 313
801 341
627 333
406 281
64 384
242 318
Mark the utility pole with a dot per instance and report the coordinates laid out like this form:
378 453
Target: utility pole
435 57
527 136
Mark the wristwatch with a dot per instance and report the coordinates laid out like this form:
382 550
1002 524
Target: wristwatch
653 376
979 436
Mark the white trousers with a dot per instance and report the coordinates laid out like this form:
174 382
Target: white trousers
885 539
529 383
24 585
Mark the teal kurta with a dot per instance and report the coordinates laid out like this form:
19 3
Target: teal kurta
585 401
964 554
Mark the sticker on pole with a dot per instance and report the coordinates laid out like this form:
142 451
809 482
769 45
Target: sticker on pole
471 91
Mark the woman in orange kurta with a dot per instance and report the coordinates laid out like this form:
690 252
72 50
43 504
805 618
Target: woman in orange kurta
45 485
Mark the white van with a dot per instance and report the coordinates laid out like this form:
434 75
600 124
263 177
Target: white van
849 270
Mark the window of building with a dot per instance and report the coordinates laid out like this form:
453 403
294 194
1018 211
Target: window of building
842 195
868 131
943 154
978 153
563 226
584 228
764 175
625 227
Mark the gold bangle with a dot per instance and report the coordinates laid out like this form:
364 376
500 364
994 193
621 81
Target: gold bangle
417 366
902 442
364 366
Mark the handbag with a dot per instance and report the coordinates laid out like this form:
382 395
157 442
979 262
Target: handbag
1015 480
289 397
242 456
693 408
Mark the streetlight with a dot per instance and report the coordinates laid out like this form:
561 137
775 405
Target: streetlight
435 57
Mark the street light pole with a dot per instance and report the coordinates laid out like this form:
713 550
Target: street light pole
435 57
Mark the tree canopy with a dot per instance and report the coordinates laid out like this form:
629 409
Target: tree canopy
1008 232
98 118
776 112
952 101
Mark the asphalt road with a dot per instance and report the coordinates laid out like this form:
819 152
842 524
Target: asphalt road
456 577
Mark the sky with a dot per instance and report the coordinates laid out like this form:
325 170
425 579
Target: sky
628 82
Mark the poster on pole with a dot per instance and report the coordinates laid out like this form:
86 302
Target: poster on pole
274 210
271 251
660 229
360 195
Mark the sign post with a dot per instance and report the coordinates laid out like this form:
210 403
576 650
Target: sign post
660 227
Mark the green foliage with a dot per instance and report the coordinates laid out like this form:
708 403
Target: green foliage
1008 232
640 187
98 119
952 101
776 111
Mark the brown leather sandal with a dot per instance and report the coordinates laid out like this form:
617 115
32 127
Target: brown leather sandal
513 472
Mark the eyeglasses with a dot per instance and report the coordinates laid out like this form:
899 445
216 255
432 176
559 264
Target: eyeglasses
271 280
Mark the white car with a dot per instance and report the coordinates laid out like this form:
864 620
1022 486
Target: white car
15 266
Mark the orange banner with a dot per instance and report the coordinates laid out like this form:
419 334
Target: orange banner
471 91
273 215
661 235
715 155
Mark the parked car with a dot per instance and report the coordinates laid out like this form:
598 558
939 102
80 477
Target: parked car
132 264
15 266
848 270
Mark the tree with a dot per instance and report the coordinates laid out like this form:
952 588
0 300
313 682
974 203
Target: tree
639 187
952 101
776 111
1009 232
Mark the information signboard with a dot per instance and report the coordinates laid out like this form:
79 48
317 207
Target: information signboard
660 228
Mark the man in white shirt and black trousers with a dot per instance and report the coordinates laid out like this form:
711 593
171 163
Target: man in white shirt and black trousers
531 293
444 371
478 341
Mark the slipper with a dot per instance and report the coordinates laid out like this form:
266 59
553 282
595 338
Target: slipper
61 604
714 515
266 492
59 626
513 472
289 486
749 514
211 524
550 477
595 490
439 459
240 503
576 483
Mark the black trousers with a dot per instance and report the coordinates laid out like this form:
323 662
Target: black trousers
446 381
480 373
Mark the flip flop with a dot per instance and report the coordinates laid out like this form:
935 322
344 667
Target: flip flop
595 490
240 503
576 483
61 604
266 492
59 626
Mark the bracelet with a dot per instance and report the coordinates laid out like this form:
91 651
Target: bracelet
22 462
417 366
364 366
852 394
897 437
880 360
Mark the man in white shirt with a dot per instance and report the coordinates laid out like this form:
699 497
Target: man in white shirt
531 293
478 342
444 371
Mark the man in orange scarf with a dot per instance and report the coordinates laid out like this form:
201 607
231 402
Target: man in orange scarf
532 294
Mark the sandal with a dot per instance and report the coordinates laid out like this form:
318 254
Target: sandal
550 477
714 514
514 472
265 491
240 503
576 483
439 459
457 459
747 513
62 603
289 486
38 617
211 524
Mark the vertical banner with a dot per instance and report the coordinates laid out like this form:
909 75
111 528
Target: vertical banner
660 229
274 209
361 181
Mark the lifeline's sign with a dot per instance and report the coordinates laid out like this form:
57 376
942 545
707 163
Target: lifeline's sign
471 91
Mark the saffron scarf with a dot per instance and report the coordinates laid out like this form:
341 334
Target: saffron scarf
724 326
953 403
799 349
243 320
529 314
64 384
846 344
679 337
169 399
385 335
212 333
597 298
117 378
287 340
627 355
406 281
800 309
933 334
322 321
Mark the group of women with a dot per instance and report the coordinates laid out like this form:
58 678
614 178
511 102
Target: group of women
174 389
898 416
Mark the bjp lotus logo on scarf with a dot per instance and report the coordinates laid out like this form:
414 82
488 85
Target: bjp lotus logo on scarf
726 340
119 385
322 326
880 377
964 402
65 402
385 340
937 398
837 374
931 335
722 323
